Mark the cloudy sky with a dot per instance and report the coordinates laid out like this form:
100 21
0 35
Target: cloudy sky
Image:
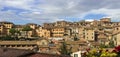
40 11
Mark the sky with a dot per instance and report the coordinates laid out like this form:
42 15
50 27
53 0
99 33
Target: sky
42 11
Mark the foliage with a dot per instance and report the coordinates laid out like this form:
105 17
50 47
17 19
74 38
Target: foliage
12 31
111 44
64 50
26 28
93 53
75 38
108 54
103 46
8 38
100 53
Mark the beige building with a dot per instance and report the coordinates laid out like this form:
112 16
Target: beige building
41 44
105 20
116 38
43 32
32 25
89 34
48 25
18 44
116 28
81 32
103 38
7 26
19 27
61 23
58 31
77 45
2 30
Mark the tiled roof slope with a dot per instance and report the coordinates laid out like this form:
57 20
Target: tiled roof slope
44 55
10 52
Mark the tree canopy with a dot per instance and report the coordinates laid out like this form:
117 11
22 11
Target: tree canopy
64 50
26 28
12 31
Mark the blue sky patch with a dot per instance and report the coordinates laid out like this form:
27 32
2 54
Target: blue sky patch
16 10
94 16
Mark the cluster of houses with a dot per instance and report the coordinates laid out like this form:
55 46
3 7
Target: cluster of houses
78 35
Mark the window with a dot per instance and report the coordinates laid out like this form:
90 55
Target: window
92 37
87 33
75 55
92 33
117 28
87 37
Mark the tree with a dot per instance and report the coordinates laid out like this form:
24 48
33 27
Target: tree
103 45
100 53
12 31
111 44
64 50
7 37
26 29
75 37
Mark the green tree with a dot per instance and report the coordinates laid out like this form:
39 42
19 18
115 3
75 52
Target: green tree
26 29
111 44
103 46
13 32
75 37
64 50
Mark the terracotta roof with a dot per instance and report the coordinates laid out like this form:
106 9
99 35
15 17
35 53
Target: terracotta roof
19 26
6 22
102 36
16 42
31 24
44 55
76 42
8 52
95 44
115 32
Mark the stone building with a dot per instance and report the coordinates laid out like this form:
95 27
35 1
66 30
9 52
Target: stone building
7 26
116 39
105 20
90 34
57 31
43 32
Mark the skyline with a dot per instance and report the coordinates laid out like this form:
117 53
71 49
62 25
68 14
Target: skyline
41 11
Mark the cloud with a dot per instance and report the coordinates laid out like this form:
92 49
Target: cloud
112 13
40 11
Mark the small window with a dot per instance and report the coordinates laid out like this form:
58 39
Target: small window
87 37
87 33
92 37
92 33
117 28
75 55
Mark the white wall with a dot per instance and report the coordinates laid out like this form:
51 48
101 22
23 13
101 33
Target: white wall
78 53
